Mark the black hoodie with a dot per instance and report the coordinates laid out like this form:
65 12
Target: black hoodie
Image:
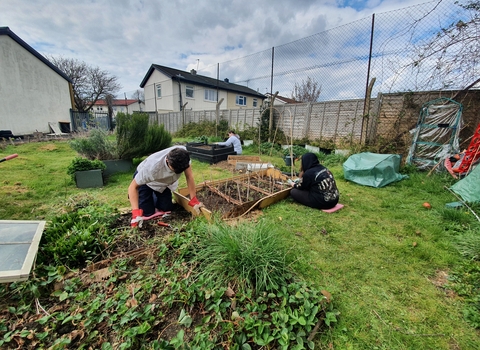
318 181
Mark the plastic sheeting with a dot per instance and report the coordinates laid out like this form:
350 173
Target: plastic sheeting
372 169
437 133
469 187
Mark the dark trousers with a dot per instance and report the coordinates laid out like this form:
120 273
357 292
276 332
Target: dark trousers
148 200
304 198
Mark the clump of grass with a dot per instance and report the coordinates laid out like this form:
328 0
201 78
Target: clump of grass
244 256
468 245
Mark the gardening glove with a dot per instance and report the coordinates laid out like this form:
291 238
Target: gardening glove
194 202
290 182
137 218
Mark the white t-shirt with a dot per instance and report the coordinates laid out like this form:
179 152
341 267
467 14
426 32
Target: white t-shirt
155 173
235 141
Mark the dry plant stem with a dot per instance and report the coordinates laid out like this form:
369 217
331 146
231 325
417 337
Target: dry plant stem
315 329
239 194
38 306
475 214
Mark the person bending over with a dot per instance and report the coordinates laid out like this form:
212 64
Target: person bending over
155 179
233 139
316 187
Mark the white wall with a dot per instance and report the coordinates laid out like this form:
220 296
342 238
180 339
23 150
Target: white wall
31 93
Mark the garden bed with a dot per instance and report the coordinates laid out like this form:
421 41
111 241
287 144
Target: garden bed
209 153
238 195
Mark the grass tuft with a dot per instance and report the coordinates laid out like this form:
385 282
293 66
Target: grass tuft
245 256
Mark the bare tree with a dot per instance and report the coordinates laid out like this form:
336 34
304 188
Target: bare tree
307 91
89 83
451 57
138 95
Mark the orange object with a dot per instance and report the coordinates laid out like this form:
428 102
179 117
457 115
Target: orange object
470 155
427 205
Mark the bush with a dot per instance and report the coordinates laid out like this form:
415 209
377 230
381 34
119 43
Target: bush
73 238
83 164
136 138
95 146
203 128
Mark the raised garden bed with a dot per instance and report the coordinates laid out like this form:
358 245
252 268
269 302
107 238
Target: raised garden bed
209 153
238 195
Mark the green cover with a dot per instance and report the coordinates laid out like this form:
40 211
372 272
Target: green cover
372 169
469 187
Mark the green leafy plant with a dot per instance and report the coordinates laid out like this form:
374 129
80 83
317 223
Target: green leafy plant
297 151
75 237
84 164
205 127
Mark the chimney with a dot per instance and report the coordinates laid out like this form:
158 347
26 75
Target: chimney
226 80
193 72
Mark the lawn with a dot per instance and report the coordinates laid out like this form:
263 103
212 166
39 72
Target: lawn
387 261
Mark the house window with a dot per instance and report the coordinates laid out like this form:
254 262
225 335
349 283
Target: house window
254 102
189 91
210 95
241 100
159 90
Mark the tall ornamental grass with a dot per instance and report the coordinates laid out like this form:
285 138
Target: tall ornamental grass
243 256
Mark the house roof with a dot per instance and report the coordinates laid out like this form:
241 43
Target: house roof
115 102
282 98
13 36
196 79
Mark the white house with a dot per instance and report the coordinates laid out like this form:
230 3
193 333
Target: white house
33 91
120 105
171 90
280 100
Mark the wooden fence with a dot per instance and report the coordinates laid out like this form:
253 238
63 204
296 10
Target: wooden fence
389 119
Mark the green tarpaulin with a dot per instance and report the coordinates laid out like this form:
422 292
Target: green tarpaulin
372 169
469 187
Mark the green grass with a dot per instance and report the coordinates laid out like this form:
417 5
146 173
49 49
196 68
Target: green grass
379 257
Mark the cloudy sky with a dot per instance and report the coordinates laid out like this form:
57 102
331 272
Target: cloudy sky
124 37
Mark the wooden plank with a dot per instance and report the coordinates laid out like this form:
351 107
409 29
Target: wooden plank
233 159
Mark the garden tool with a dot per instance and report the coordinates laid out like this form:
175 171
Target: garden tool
11 156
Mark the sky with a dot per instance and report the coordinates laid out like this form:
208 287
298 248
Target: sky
125 37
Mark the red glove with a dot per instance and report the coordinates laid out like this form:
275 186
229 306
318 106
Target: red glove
193 202
196 205
137 217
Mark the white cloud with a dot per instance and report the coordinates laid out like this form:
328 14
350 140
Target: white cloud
125 37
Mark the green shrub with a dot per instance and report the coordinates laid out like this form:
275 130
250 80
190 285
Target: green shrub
270 148
83 164
204 128
136 138
76 237
297 151
96 145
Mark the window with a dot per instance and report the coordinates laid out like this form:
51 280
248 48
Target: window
159 90
254 102
210 95
241 100
189 91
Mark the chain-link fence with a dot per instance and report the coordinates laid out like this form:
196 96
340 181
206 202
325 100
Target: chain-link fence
400 49
375 74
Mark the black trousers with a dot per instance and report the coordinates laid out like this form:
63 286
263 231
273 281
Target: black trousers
303 197
149 200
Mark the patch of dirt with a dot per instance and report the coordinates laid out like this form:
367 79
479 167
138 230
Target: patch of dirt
440 281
